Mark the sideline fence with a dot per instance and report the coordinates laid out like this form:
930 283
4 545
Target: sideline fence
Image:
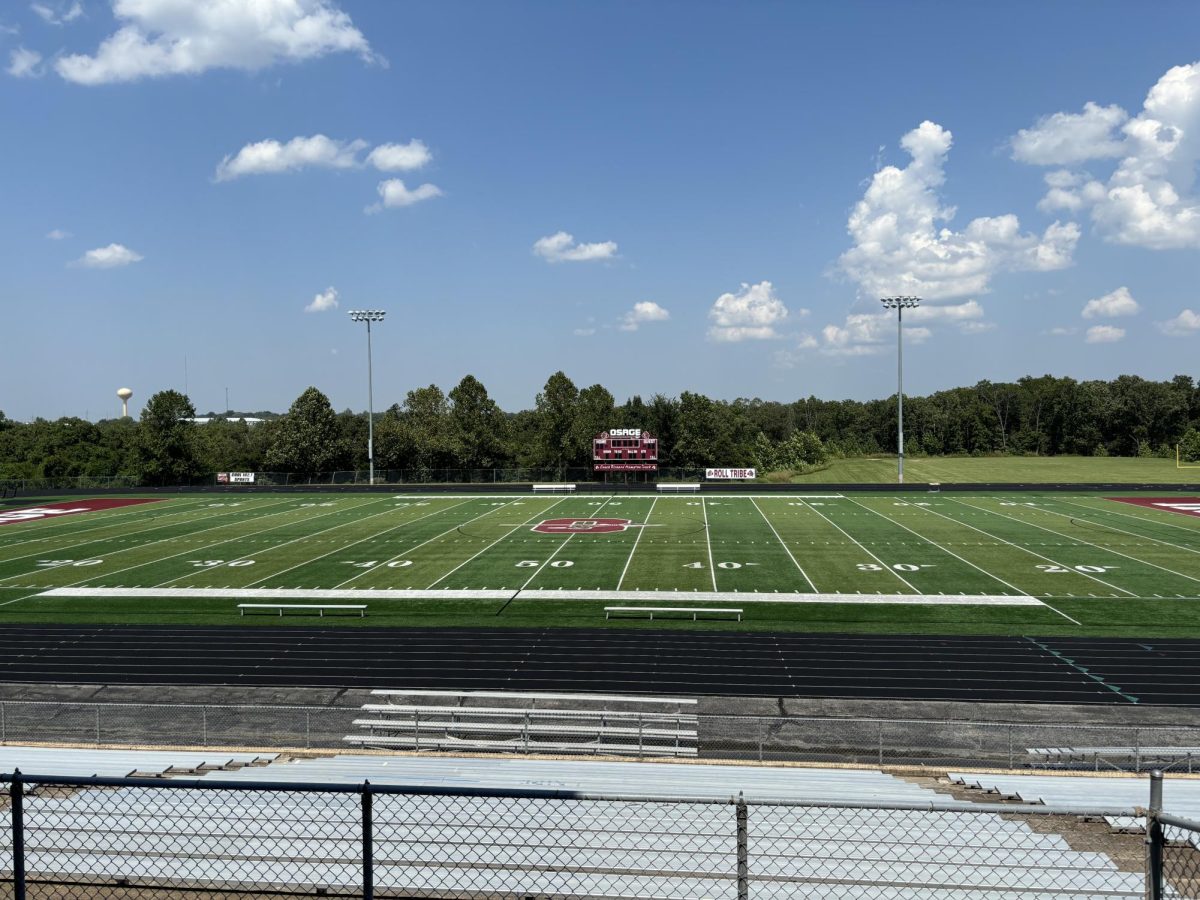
862 740
140 838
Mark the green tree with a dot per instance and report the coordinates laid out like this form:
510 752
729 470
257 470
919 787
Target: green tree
309 438
555 408
167 439
477 425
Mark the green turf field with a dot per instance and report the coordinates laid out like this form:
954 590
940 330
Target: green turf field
928 562
1005 469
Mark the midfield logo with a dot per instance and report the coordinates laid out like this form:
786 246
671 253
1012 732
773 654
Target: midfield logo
581 526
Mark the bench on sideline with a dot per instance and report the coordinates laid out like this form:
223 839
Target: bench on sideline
554 488
693 610
678 488
1141 757
590 726
320 607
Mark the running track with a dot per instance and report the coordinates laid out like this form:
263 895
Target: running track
910 667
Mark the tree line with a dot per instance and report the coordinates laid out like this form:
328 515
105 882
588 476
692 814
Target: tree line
431 430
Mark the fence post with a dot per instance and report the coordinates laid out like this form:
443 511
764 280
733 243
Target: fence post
17 806
881 742
1010 746
1154 839
204 726
307 732
97 726
1137 755
368 844
743 849
3 724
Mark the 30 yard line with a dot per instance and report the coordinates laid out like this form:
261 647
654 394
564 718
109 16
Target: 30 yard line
786 549
861 547
641 531
708 540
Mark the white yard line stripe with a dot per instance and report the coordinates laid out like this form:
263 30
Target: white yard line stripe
589 596
1106 512
407 550
708 540
372 536
550 558
1079 540
1019 547
641 531
109 522
783 544
498 540
305 537
886 567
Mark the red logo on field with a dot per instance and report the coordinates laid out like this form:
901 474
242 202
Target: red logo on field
52 510
1188 506
581 526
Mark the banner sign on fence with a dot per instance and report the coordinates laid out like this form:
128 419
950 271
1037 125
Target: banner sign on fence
727 474
235 478
626 467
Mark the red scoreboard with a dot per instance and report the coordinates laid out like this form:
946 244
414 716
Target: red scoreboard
625 450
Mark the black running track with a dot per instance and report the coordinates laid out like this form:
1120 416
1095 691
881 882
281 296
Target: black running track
900 667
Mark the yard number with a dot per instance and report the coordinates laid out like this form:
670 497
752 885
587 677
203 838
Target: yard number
77 563
210 563
720 565
899 567
1086 570
303 505
533 564
371 563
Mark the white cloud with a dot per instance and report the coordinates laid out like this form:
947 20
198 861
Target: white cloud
57 234
561 247
1104 334
400 157
109 257
584 332
23 63
1061 331
752 314
1119 303
1149 199
643 312
1185 324
976 327
952 312
58 13
394 194
863 334
180 37
1066 138
271 157
902 246
324 301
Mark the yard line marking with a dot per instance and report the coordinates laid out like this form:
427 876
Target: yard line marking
353 521
861 547
784 545
550 558
1019 547
369 537
132 511
708 540
1143 519
188 550
499 539
1079 540
641 531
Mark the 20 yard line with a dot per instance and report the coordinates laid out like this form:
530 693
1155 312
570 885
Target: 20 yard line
641 531
708 540
786 549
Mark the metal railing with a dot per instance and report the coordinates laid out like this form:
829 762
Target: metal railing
129 837
863 740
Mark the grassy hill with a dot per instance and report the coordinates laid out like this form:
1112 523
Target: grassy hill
1020 469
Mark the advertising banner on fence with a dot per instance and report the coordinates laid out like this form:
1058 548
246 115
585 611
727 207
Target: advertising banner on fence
625 467
235 478
730 474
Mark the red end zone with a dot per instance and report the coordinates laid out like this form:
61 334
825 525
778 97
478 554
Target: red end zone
67 508
1188 506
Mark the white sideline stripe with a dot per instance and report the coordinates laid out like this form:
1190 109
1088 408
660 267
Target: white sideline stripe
448 594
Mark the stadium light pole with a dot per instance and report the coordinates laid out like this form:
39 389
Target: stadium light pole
369 316
899 304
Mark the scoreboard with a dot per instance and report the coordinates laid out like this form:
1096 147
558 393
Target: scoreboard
625 450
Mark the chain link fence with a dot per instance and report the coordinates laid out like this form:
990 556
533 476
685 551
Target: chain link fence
867 741
141 838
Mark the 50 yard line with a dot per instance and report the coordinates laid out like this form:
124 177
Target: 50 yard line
550 558
641 531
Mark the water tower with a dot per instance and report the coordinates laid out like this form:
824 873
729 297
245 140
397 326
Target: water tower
124 394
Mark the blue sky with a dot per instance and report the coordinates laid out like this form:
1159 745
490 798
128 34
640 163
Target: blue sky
740 182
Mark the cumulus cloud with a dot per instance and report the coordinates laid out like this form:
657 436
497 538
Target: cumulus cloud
400 157
57 234
752 314
903 246
173 37
1066 138
270 157
643 312
23 63
1104 334
1148 200
324 301
863 334
1119 303
109 257
583 332
58 13
393 193
561 247
1062 331
1185 324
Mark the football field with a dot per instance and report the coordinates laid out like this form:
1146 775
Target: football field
955 563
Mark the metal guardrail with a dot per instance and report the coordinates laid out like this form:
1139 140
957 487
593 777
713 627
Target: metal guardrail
862 740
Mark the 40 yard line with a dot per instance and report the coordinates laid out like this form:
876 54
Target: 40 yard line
786 549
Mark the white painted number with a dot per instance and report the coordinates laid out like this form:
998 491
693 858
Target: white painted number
1087 570
210 563
533 564
899 567
77 563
